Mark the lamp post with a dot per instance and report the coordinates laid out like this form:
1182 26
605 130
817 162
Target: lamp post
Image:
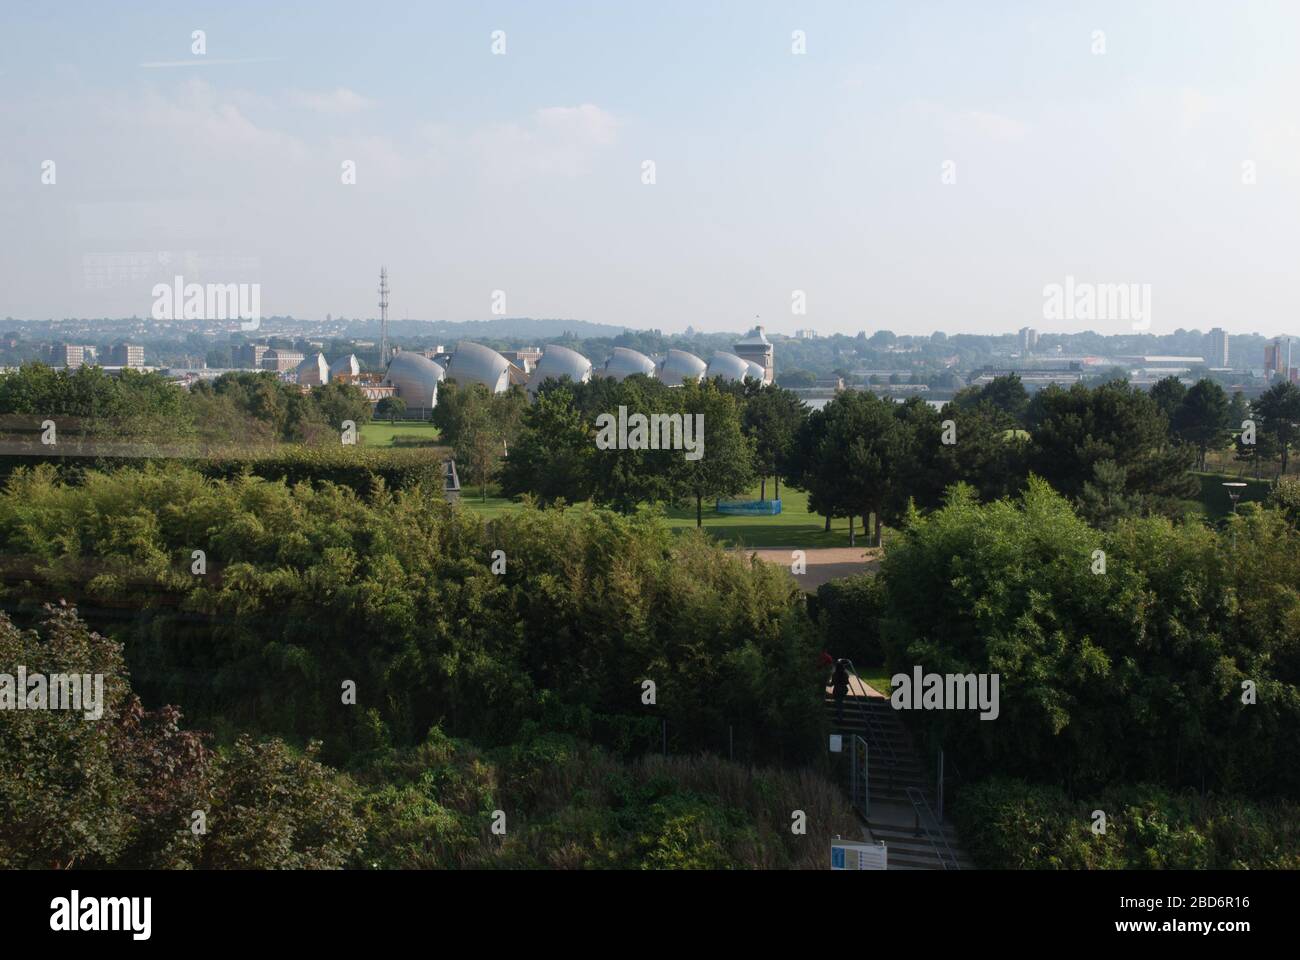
1234 491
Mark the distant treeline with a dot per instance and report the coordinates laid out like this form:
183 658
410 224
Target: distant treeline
249 408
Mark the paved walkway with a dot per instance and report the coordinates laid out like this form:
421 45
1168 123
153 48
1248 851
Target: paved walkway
822 564
857 688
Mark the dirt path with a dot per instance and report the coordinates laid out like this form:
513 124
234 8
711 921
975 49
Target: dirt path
823 564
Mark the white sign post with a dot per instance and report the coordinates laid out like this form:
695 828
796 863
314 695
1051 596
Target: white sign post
858 855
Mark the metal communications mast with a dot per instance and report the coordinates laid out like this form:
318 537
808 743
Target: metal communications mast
383 317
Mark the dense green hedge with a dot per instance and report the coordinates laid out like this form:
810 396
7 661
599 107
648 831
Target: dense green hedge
307 587
1010 824
848 613
1179 664
355 467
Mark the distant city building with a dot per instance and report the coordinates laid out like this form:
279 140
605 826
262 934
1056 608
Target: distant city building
127 355
1035 378
1217 348
72 355
1028 340
805 334
1277 358
373 390
525 359
756 348
281 360
1161 362
250 355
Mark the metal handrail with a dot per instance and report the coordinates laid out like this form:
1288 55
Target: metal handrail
866 775
924 817
871 724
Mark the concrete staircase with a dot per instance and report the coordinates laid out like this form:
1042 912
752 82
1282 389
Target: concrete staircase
902 804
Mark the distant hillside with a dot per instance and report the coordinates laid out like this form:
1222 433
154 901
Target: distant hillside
501 328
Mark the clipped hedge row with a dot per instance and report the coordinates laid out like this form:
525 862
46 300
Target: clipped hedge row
354 467
848 613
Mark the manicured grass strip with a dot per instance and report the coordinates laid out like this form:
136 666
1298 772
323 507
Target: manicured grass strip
795 526
380 433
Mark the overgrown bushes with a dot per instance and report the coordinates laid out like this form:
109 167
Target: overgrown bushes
1010 824
1154 651
568 805
123 789
134 789
304 588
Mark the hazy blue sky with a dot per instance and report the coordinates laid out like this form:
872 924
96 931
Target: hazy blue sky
775 172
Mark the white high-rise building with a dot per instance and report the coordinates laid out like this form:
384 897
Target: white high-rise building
1217 350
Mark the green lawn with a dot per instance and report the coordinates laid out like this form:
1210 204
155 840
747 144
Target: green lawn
492 507
877 679
380 433
1214 496
795 526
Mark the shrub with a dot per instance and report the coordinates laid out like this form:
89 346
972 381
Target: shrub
1010 824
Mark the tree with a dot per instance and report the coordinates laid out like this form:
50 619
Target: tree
772 419
1285 498
972 445
279 810
726 466
1134 674
625 478
121 791
1073 430
1278 413
1202 418
552 458
849 456
480 441
1238 411
338 402
1168 393
1104 500
1004 394
391 407
796 378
